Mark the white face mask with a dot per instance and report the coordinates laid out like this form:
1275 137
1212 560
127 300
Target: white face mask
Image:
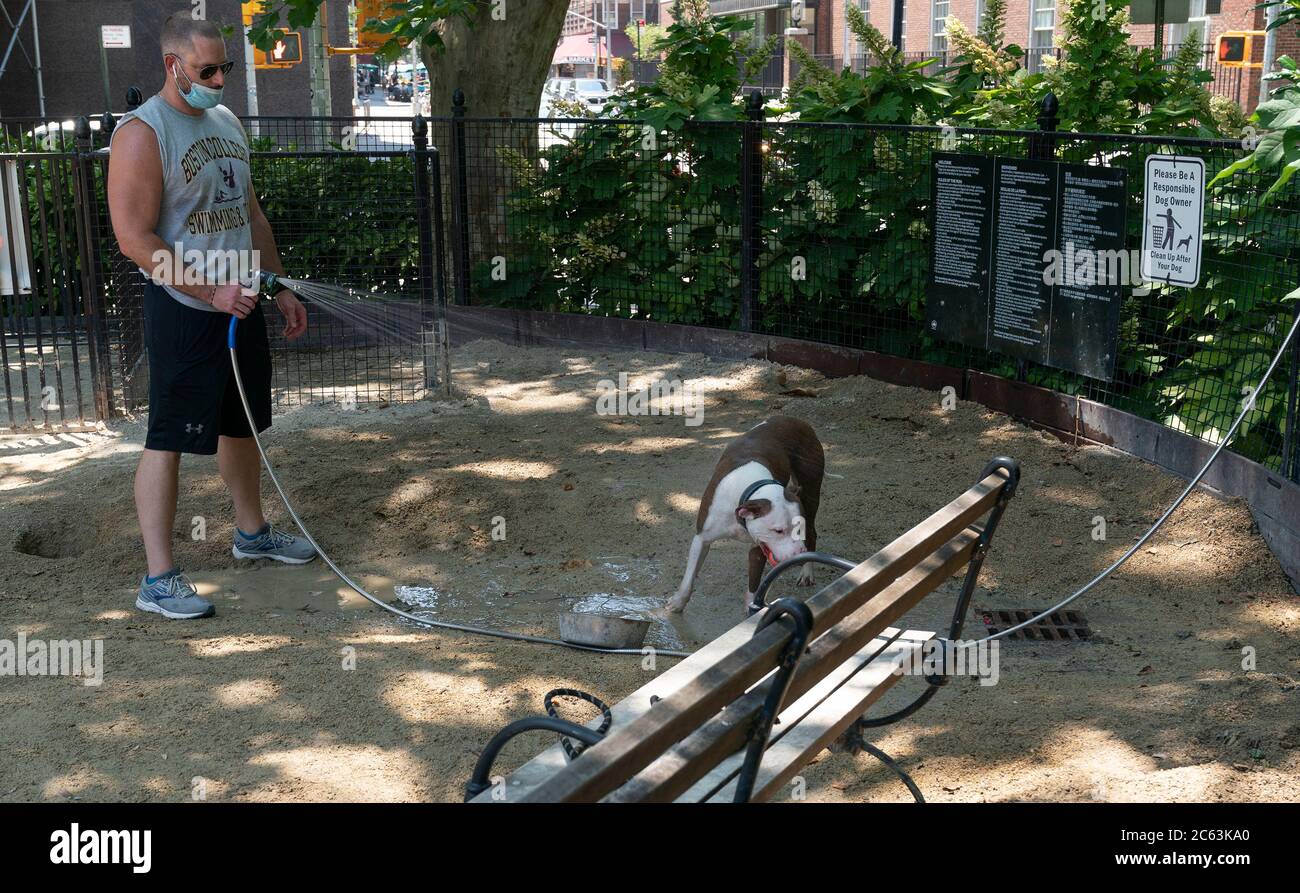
199 97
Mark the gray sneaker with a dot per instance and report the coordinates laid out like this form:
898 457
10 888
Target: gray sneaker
173 596
271 543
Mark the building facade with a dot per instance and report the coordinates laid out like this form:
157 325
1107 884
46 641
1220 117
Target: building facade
594 31
69 33
1030 24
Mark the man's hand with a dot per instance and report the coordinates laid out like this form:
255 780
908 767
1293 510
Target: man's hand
295 315
233 298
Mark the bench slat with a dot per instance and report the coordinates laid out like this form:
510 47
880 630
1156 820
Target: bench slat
882 648
626 751
676 769
783 760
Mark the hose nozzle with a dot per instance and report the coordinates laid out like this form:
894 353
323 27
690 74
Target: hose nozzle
266 281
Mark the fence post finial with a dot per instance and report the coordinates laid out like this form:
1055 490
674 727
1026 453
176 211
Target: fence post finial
1048 118
754 105
419 130
458 101
134 97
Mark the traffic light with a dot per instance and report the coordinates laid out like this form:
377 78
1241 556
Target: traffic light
374 9
251 8
286 53
1234 49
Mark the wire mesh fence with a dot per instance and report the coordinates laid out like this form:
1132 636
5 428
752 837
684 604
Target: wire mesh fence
52 364
612 218
814 231
344 211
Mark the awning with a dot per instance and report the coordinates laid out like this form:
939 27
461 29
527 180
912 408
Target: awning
576 48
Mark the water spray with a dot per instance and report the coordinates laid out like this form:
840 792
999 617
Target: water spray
268 284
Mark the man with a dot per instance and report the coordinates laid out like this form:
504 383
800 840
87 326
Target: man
179 189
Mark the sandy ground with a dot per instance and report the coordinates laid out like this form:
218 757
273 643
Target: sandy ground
256 703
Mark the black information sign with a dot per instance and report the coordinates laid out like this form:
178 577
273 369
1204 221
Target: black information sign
1028 259
962 198
1024 230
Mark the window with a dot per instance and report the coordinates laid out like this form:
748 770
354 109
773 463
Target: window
1042 24
1198 21
939 32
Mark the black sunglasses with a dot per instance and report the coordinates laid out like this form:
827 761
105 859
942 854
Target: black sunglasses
208 71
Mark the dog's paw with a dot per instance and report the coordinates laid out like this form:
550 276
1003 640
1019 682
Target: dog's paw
805 576
674 605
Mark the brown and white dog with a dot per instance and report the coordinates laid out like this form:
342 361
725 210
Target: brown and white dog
765 490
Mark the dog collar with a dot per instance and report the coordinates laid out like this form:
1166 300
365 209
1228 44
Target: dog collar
750 491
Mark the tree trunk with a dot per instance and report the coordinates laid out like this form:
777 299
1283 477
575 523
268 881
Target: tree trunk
501 65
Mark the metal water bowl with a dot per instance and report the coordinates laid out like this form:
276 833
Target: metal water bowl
599 631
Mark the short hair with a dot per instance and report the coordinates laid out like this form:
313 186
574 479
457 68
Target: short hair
181 28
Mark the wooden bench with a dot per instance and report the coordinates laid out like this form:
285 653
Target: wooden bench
704 730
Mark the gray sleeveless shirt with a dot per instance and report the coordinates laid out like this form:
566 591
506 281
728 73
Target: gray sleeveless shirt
206 186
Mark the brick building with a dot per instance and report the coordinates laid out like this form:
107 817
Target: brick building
70 59
584 41
1030 24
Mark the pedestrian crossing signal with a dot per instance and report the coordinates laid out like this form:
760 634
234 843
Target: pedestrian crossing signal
1234 49
286 53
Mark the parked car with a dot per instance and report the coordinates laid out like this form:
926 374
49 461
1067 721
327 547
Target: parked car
554 89
592 92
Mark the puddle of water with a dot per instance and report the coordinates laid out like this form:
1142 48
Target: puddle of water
302 588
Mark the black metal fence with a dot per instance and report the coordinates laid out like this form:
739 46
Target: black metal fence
812 231
822 232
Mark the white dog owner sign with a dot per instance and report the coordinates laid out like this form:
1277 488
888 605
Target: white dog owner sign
1172 217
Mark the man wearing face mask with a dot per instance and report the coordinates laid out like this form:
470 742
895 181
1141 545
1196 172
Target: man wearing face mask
183 209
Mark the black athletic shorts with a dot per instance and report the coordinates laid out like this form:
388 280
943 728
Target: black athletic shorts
192 393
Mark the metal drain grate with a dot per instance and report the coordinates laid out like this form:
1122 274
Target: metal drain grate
1059 626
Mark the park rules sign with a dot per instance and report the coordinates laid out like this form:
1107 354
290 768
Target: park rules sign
1172 218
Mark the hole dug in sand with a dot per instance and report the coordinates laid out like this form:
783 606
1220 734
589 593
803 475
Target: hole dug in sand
50 539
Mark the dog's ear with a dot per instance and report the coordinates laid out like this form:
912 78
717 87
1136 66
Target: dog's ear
753 508
792 490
